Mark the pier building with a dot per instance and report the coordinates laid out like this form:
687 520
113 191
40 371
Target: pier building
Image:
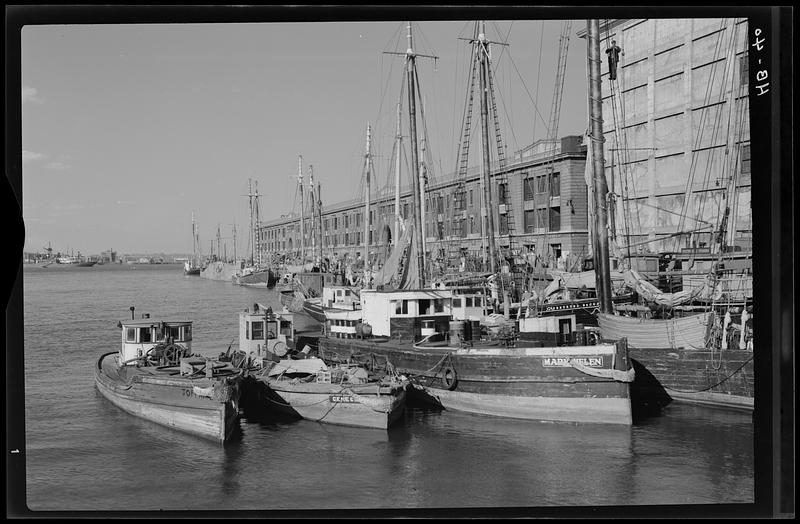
540 206
677 133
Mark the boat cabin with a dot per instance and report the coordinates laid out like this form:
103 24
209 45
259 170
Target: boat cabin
470 305
262 331
141 335
340 297
408 314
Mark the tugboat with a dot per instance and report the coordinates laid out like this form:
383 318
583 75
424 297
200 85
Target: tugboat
154 375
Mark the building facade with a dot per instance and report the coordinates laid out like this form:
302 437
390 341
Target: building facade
539 201
677 133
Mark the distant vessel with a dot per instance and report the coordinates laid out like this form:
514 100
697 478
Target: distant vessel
155 376
219 270
192 267
256 274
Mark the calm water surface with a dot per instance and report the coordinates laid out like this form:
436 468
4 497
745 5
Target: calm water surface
83 453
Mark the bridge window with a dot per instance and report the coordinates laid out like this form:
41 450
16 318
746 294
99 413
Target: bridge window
130 335
145 335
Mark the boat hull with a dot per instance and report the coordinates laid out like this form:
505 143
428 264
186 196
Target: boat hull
365 406
674 352
723 379
263 278
173 402
219 271
524 383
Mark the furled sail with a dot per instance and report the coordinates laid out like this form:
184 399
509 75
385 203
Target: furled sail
708 291
400 270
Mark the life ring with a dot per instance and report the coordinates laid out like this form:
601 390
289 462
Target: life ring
449 377
592 337
280 348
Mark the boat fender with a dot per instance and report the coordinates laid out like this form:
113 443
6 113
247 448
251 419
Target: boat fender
280 348
449 377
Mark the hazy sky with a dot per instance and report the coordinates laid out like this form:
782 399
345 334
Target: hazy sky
127 130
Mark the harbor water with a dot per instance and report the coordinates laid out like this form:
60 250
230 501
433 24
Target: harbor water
82 453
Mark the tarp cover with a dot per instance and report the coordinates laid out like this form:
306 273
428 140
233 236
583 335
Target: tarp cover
305 365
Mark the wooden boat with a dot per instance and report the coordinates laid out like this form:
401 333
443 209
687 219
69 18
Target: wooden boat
694 358
192 267
219 270
283 377
413 332
255 277
340 394
155 376
190 270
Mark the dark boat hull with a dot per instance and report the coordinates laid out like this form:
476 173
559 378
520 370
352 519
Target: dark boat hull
716 378
261 278
525 383
676 353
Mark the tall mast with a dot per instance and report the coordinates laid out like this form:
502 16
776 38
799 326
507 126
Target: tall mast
412 117
302 209
602 270
416 209
367 175
234 242
483 57
194 240
252 229
313 211
256 245
399 138
319 219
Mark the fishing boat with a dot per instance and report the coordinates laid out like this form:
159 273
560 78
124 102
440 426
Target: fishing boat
284 376
691 326
155 376
219 270
256 274
410 327
192 266
698 352
340 394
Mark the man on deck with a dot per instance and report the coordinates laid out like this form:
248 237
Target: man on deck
613 53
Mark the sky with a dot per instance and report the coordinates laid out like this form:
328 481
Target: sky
130 130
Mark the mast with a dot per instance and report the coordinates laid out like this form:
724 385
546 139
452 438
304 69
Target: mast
399 138
601 265
487 188
412 117
367 173
418 187
313 211
302 209
194 241
234 242
252 229
256 246
319 218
